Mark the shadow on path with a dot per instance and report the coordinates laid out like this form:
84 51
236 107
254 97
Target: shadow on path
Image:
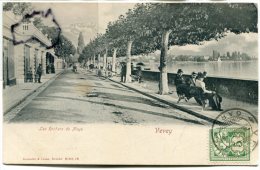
132 99
132 109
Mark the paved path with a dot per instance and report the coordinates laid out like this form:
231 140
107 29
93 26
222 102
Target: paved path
85 98
16 94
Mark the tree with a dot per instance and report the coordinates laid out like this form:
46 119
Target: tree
157 26
37 22
185 23
8 6
64 47
115 41
128 30
81 43
125 33
18 8
92 49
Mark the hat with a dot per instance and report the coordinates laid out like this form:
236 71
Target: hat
179 71
200 75
204 73
194 74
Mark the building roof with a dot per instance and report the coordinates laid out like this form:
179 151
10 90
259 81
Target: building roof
23 31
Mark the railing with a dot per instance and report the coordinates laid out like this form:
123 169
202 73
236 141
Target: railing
241 90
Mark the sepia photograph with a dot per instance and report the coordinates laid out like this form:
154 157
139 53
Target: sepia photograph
130 83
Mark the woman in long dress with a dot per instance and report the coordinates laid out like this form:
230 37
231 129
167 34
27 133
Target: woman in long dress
214 99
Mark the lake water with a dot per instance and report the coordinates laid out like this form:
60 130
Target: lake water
230 69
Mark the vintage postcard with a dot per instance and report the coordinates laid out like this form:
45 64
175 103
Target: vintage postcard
130 83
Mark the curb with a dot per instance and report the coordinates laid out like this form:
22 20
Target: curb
196 114
33 91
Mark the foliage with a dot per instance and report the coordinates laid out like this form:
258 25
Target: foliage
38 23
189 23
18 8
8 6
64 47
193 23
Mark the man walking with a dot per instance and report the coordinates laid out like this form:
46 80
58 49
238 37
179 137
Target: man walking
39 72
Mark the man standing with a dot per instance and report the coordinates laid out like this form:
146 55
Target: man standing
39 72
139 74
48 69
123 72
52 68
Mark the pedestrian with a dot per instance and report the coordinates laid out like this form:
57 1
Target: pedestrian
123 72
39 73
159 84
48 69
74 68
139 74
192 79
52 68
213 98
179 78
30 75
109 66
100 72
204 74
191 82
109 69
132 69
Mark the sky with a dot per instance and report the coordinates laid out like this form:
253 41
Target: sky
246 42
89 18
92 18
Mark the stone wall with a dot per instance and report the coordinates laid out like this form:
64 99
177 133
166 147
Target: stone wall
241 90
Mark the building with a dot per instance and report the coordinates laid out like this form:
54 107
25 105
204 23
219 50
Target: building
206 57
19 59
215 55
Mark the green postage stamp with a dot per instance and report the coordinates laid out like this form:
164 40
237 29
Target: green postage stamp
233 136
230 144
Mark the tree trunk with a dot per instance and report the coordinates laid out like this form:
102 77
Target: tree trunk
163 82
91 60
87 63
94 60
98 61
114 62
128 64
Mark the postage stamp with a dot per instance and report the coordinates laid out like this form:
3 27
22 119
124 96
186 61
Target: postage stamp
230 144
129 83
234 136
